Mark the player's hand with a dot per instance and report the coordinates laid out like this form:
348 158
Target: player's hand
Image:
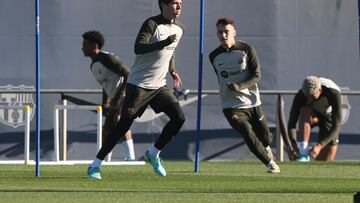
172 38
233 87
315 150
177 79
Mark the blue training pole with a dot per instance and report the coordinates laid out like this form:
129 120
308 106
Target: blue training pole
201 53
37 39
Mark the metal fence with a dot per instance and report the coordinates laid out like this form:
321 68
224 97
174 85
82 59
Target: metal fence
62 123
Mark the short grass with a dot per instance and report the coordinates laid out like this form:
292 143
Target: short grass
243 181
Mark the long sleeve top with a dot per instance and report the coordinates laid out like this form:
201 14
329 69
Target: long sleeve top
240 65
327 105
155 53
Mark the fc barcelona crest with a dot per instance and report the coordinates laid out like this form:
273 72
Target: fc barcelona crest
345 106
15 117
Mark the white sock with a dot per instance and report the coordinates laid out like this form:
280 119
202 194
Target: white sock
129 149
268 148
303 147
154 152
270 163
96 163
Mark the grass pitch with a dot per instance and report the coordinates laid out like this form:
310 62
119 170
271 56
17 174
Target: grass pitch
243 181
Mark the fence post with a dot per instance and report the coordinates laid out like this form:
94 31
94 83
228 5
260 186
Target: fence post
63 131
56 133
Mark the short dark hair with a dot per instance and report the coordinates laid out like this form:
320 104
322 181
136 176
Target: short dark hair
165 2
225 21
95 37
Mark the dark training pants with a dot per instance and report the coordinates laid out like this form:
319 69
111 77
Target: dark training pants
252 125
136 101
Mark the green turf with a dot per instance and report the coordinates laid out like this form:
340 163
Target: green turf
243 181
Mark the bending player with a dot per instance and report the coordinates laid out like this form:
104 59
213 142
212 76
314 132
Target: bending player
317 103
111 74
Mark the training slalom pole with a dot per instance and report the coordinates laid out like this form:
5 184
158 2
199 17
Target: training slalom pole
37 39
201 53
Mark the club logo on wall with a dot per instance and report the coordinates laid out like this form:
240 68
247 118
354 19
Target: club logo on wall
14 116
345 106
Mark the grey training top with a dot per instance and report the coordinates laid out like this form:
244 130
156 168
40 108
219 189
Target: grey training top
327 105
109 72
155 54
240 65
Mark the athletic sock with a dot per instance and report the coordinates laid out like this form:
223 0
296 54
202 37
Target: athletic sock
154 152
271 162
303 147
129 149
268 148
96 163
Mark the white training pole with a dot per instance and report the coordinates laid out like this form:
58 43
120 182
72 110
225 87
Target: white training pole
99 126
27 134
75 107
27 115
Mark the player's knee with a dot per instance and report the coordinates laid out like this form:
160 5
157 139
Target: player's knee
179 120
240 125
306 111
177 116
307 115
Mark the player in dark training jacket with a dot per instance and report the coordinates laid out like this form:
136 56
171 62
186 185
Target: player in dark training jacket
238 70
317 103
155 57
111 74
